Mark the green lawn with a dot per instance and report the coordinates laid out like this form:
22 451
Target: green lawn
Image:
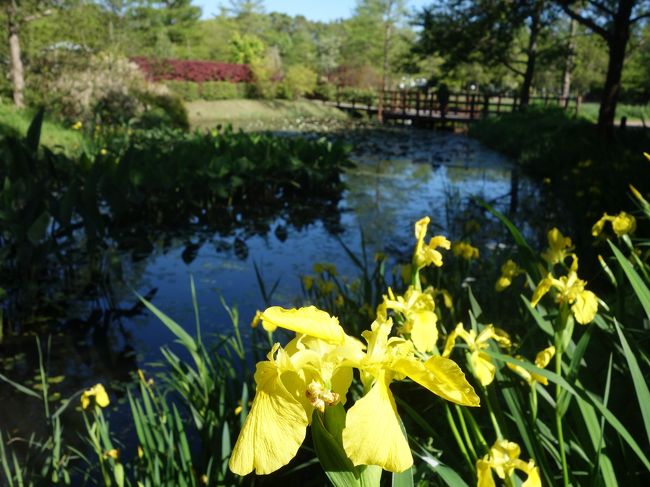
258 113
54 135
589 110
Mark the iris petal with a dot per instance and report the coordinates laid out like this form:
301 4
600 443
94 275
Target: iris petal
274 429
372 434
309 321
441 376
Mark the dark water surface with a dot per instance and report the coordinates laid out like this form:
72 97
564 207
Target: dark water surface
401 175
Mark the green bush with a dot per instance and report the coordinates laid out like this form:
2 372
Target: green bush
324 91
223 90
186 90
298 81
358 95
163 110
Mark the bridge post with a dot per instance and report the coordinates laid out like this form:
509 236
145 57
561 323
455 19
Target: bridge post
472 106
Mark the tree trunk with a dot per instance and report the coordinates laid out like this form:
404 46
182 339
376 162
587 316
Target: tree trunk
387 38
16 69
531 53
570 59
616 46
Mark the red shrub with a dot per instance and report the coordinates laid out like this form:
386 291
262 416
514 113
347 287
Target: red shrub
197 71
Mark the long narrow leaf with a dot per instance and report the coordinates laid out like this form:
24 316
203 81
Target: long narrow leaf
641 290
640 385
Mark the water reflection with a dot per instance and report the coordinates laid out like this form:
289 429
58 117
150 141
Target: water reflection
401 176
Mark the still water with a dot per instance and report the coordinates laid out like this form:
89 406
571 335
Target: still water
401 175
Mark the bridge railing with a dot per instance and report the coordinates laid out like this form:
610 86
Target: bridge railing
466 106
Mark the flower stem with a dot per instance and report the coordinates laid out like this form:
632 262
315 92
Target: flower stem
558 420
459 439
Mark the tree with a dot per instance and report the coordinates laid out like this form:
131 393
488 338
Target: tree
613 21
19 13
489 32
372 34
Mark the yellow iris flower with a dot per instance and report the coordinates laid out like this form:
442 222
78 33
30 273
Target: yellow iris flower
314 371
308 374
465 250
509 270
96 392
503 459
622 224
481 363
426 254
542 359
389 359
570 290
418 310
559 247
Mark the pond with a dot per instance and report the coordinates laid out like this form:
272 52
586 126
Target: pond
400 176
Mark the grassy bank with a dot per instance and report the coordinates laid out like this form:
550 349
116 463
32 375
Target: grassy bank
587 173
16 122
632 112
256 114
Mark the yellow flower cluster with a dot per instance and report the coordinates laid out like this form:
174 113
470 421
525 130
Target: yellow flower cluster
622 224
503 459
427 254
542 359
509 271
465 250
96 392
482 366
570 290
559 247
315 370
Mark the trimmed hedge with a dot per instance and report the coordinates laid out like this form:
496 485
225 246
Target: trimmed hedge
197 71
210 90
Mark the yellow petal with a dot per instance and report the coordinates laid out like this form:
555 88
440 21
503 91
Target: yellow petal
533 479
484 369
274 429
544 357
85 400
101 397
440 375
519 370
309 321
502 283
623 224
585 307
372 433
424 333
484 474
543 287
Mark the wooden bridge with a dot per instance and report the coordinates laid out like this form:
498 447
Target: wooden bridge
429 108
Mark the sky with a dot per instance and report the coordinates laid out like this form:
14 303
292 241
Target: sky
321 10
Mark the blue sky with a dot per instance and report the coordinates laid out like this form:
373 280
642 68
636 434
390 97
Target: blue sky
322 10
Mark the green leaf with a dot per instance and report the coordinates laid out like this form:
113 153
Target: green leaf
34 131
184 337
403 479
20 387
545 325
638 285
640 385
38 228
329 449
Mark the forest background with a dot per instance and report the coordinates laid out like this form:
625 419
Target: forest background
464 44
